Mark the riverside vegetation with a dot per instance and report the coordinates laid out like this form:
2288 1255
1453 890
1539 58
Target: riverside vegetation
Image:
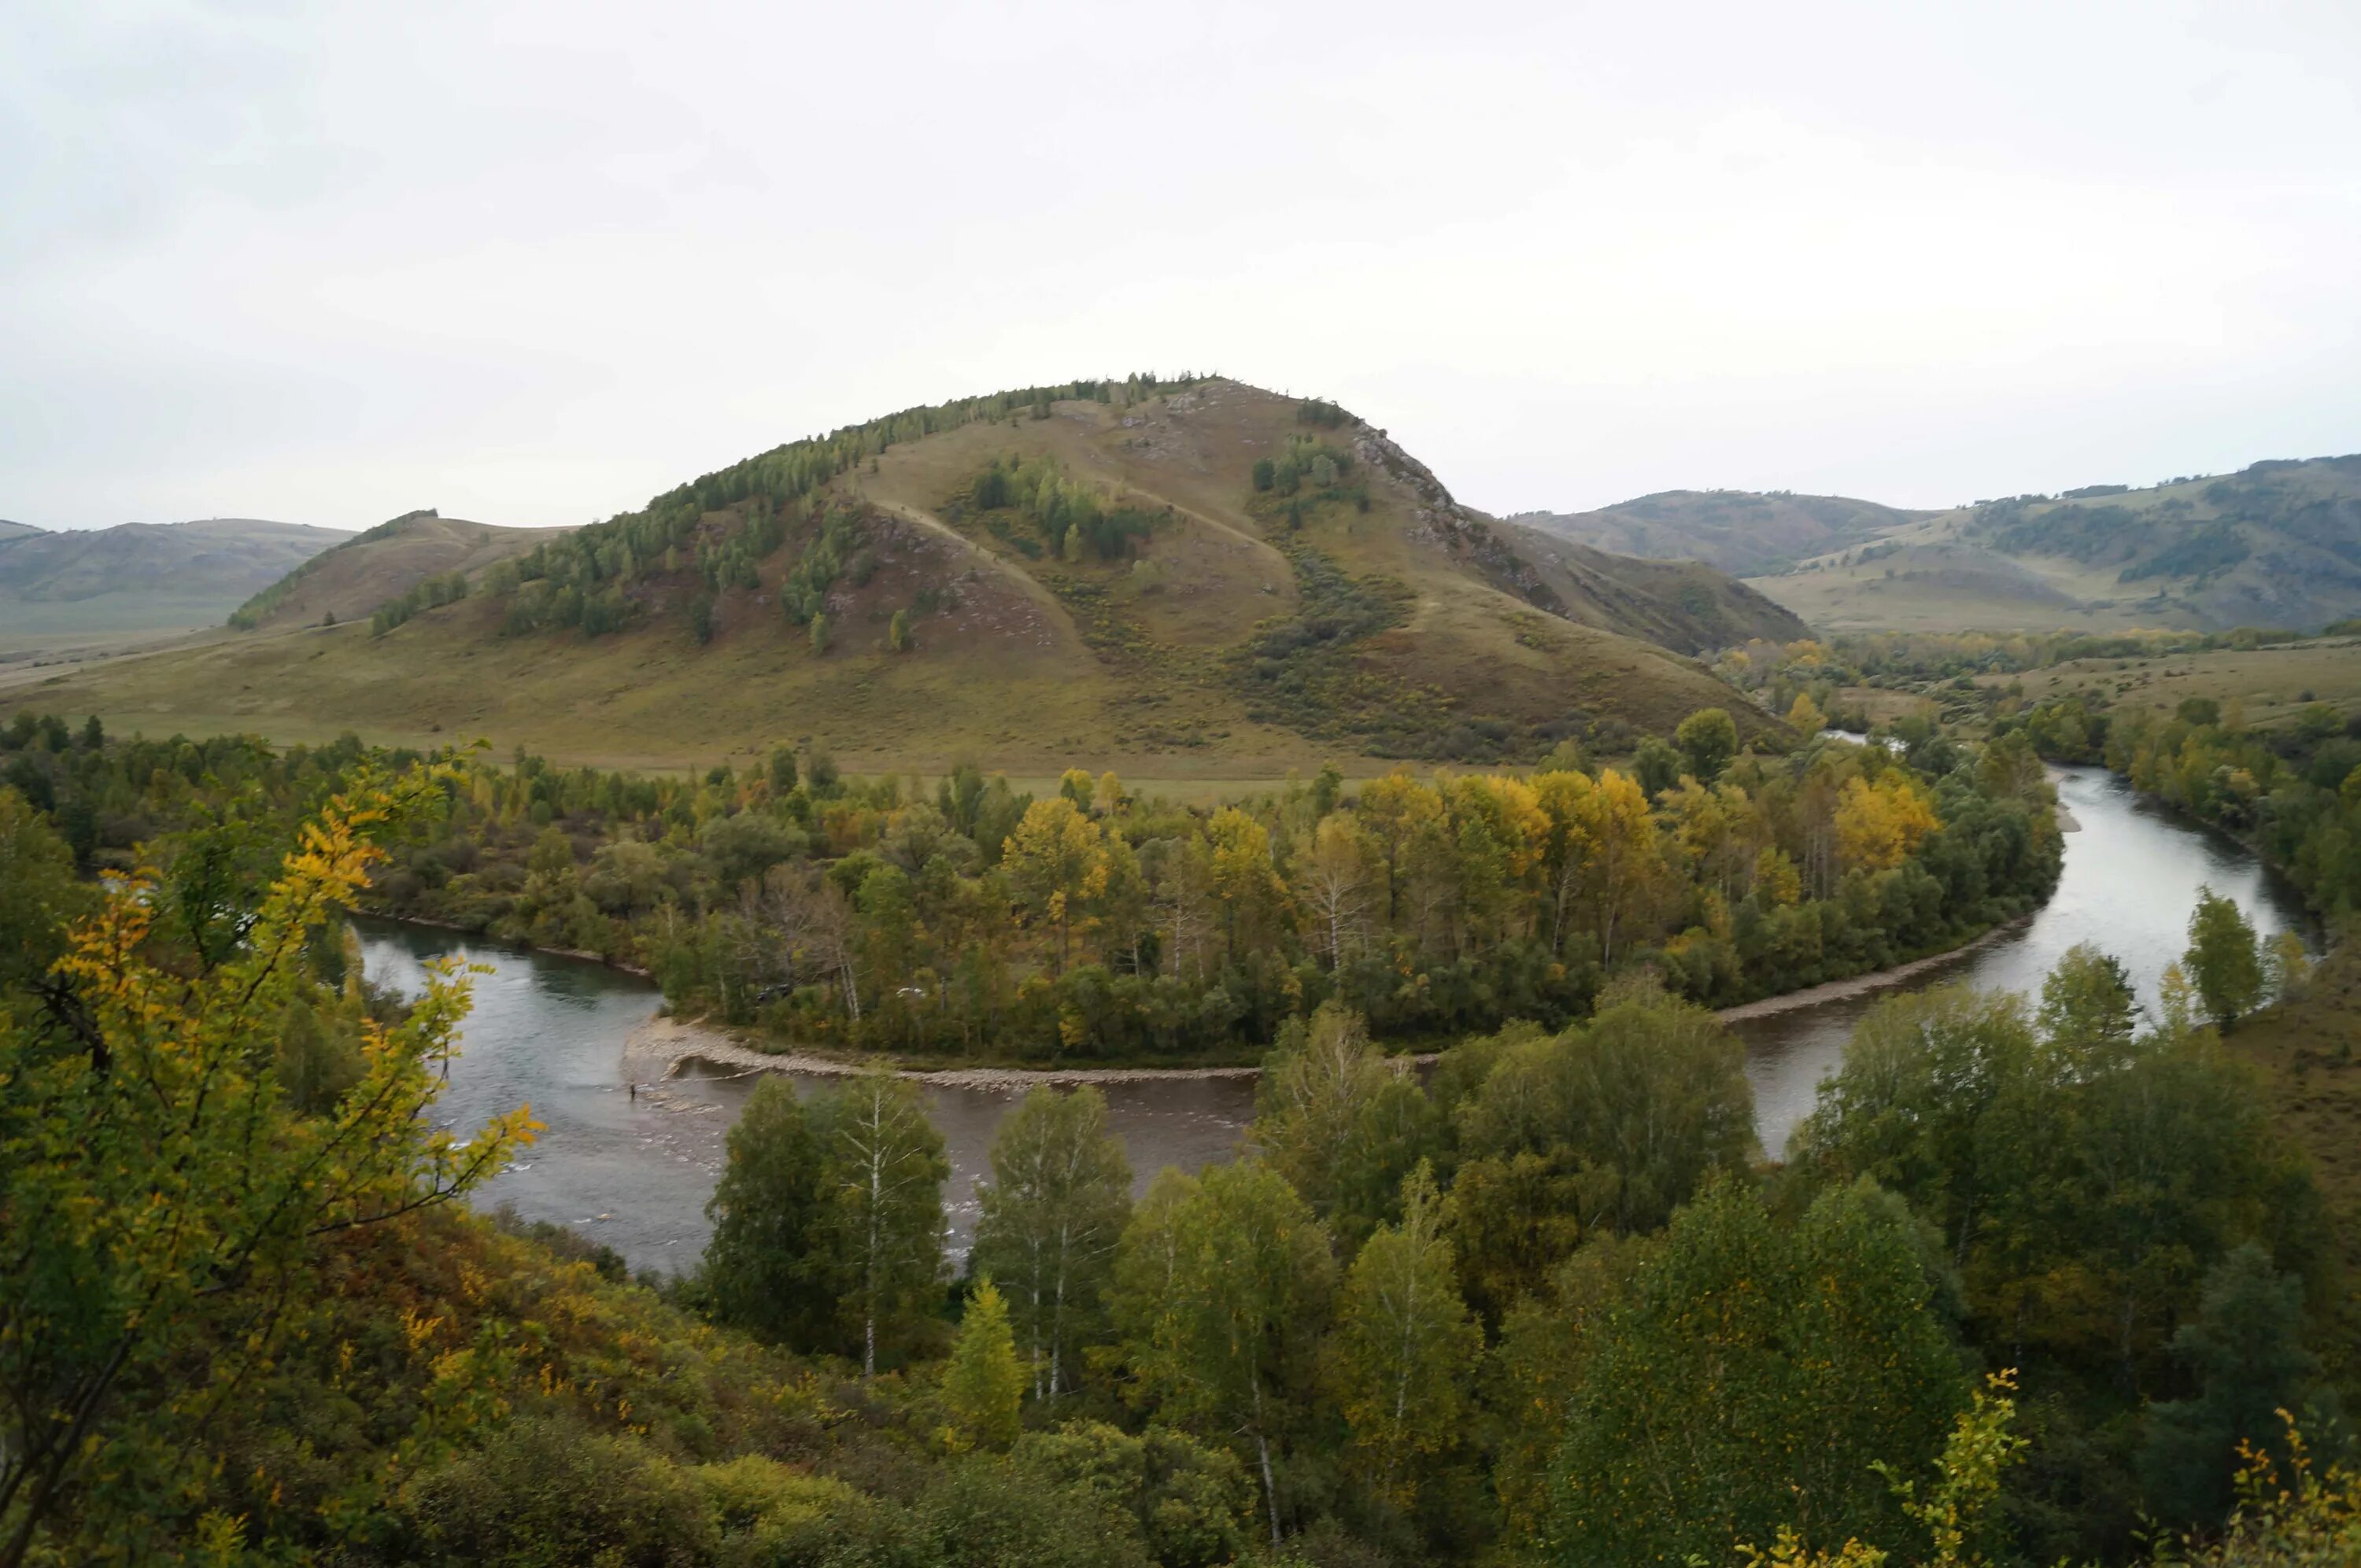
975 921
2037 1271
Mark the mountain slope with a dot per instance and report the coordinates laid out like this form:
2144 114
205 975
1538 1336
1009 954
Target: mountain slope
1742 532
141 576
2276 545
353 578
15 529
1185 578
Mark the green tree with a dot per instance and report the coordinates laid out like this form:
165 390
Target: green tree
1404 1345
39 896
166 1205
822 633
783 770
882 1172
1051 1216
1222 1292
1656 765
2224 961
1336 1119
1756 1375
763 1269
898 633
983 1386
1193 1503
2244 1349
1707 739
1265 473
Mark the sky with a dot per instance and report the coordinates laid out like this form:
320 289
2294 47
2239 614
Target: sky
533 263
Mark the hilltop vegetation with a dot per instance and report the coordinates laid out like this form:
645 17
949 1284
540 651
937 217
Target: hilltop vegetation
2278 543
1743 532
138 577
854 591
370 570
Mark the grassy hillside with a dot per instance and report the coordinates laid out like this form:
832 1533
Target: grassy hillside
138 576
352 579
2278 543
15 529
871 591
1744 532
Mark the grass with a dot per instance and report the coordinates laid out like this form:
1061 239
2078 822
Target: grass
2270 683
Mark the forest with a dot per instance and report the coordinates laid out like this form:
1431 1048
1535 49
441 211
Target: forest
973 921
2035 1283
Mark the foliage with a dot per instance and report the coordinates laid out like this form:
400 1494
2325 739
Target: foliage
1754 1377
165 1193
983 1386
767 1210
1050 1216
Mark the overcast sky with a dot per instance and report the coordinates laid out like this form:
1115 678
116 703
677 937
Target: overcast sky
530 263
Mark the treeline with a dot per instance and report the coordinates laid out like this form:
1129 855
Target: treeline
2293 790
427 593
591 579
1543 1305
974 920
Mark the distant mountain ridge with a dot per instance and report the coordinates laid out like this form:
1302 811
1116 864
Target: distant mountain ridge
1744 533
2276 545
15 529
141 576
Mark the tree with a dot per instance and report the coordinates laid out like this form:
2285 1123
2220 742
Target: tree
1656 765
898 633
882 1175
763 1267
822 634
2245 1350
2223 960
1265 473
1803 716
166 1205
1310 1100
1878 825
1635 1108
1621 868
39 896
1333 880
1754 1377
1707 739
1222 1289
983 1386
1404 1343
1058 860
1051 1216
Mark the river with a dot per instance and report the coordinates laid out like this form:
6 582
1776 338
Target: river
634 1173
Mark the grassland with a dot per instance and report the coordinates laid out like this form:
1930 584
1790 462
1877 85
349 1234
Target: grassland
2270 683
1210 658
354 577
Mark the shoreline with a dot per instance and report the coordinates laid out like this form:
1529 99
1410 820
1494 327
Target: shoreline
659 1048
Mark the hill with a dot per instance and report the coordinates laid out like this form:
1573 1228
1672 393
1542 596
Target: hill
1186 578
15 529
351 580
139 576
2276 545
1743 532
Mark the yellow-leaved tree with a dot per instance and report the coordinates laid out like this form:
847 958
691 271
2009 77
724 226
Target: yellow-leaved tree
164 1196
1878 824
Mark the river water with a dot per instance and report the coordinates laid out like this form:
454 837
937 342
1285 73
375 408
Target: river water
635 1172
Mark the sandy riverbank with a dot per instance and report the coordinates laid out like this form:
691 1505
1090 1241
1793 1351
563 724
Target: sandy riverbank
656 1050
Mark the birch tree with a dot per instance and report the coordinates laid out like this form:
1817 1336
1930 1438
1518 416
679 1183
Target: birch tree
884 1173
1053 1211
1228 1347
1405 1344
